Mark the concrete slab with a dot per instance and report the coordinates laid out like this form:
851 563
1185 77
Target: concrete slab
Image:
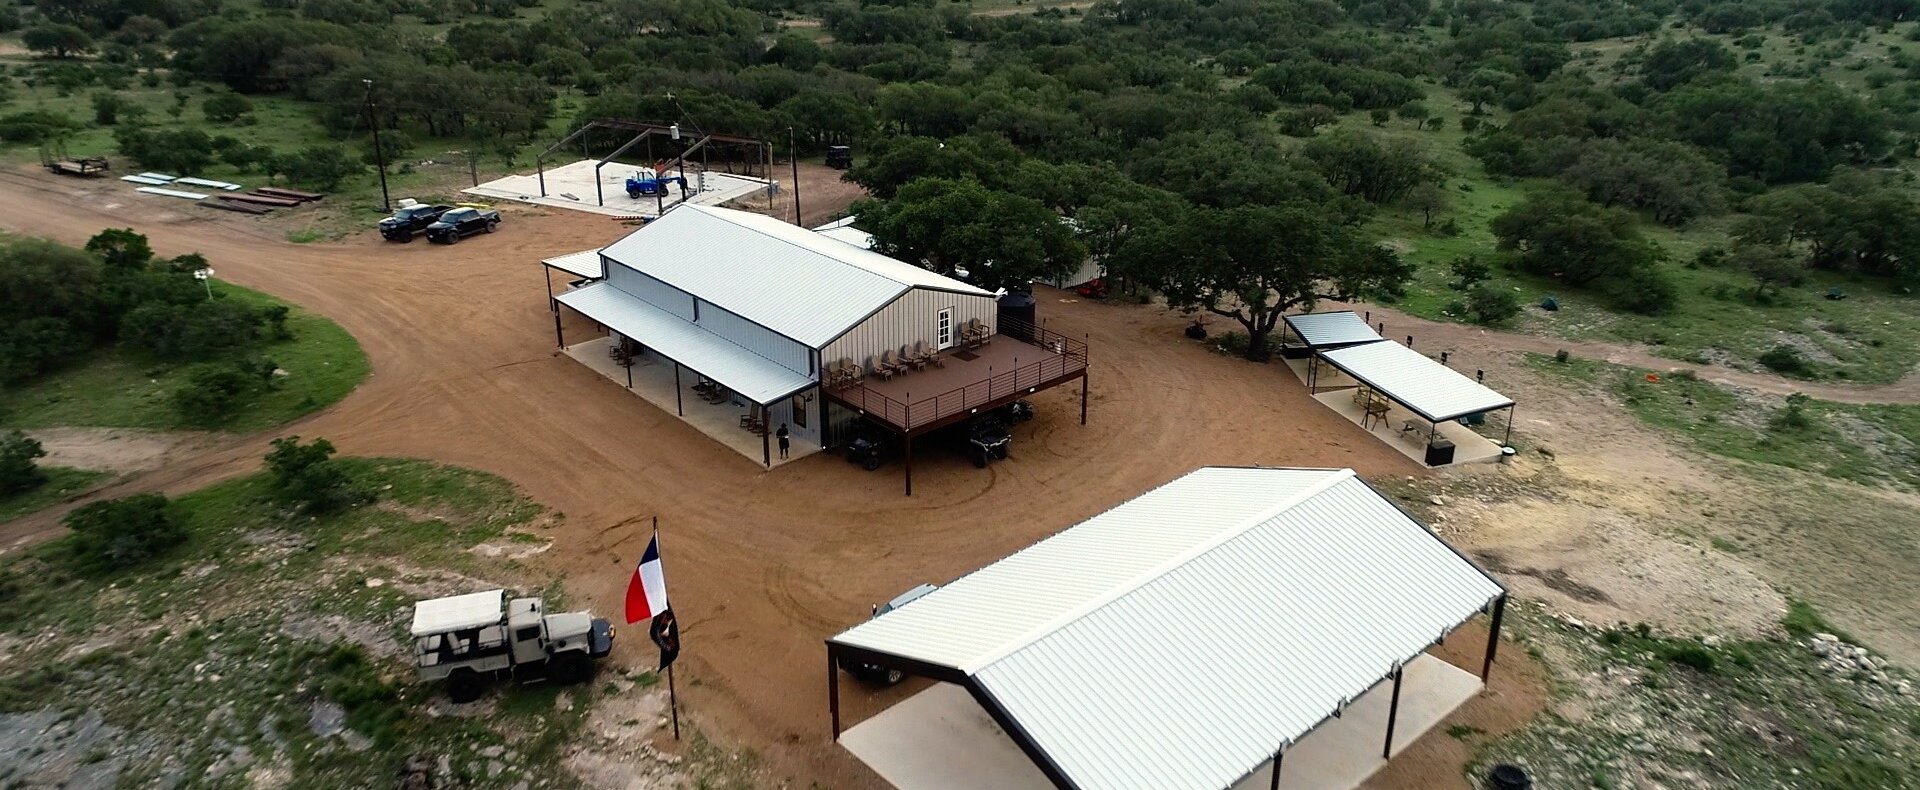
653 382
578 181
1469 446
940 739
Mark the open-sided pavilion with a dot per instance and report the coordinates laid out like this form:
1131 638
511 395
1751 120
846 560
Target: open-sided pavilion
1197 637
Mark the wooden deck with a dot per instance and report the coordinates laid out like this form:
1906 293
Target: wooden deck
996 373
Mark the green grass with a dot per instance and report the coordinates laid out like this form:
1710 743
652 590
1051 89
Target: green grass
1865 444
116 388
62 484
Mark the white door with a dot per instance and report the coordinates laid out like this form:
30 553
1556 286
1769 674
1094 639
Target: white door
946 328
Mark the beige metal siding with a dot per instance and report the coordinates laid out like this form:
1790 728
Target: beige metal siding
915 316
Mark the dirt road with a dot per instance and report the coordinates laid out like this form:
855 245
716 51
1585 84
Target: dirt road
764 566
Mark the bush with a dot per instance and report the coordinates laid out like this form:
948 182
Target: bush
1788 361
192 331
121 533
34 126
106 108
307 476
1489 304
320 166
1468 271
226 107
213 393
17 470
1648 293
1794 417
1234 343
1693 656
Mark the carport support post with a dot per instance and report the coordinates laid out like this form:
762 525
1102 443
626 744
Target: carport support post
833 692
1393 712
679 408
1275 784
559 335
629 365
766 454
1508 441
1493 636
909 464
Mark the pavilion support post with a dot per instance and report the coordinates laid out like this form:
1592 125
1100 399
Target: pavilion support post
679 405
766 451
1493 636
1393 713
547 272
559 335
628 363
909 454
833 692
1275 784
1508 441
1083 398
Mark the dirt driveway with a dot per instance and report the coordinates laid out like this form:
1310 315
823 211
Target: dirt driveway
764 566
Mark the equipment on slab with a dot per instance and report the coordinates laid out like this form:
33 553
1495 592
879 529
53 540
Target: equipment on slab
646 182
467 640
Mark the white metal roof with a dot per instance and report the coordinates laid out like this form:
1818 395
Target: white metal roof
759 379
585 263
1326 330
1432 390
849 235
1179 639
789 279
459 612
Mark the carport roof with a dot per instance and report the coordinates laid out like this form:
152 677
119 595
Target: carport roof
1434 391
796 282
1178 640
1332 330
757 378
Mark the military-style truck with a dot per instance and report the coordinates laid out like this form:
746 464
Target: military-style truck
468 640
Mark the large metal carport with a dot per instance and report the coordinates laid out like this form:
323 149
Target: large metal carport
1188 639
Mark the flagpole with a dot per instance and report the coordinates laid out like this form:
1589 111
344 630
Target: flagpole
673 701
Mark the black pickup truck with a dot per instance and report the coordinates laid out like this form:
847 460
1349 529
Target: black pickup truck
410 220
462 222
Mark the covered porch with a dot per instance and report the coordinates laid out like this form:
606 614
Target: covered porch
652 378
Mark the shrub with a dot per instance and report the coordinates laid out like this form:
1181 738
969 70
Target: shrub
1234 343
226 107
17 470
307 476
106 108
1788 361
1468 271
192 331
1794 417
212 393
117 534
1693 656
1490 304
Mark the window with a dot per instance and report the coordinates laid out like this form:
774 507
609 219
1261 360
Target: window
946 328
527 634
800 409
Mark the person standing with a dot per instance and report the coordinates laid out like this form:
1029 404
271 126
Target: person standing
784 443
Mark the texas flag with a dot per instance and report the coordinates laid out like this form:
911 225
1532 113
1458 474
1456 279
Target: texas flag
647 590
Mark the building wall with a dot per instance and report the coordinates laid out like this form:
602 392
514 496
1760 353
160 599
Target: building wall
783 413
756 338
913 317
648 289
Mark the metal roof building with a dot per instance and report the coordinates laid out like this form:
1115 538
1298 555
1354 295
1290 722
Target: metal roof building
1331 330
1434 391
1288 592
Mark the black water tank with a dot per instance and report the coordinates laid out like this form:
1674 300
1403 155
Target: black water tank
1440 452
1018 315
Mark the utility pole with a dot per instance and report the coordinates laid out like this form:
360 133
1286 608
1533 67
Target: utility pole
379 155
793 154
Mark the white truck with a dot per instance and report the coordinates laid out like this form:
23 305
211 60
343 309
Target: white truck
470 639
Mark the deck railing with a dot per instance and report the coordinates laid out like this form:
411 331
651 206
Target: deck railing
1068 356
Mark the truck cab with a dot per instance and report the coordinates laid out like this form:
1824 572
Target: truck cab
467 639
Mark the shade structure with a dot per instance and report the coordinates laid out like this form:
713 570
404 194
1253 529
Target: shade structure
791 280
1331 330
1434 391
1179 640
753 376
585 263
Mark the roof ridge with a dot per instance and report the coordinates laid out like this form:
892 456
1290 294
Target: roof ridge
708 211
1034 635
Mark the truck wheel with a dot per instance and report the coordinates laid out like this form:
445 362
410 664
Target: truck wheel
872 463
493 226
453 238
407 239
979 459
1002 451
570 668
464 686
893 677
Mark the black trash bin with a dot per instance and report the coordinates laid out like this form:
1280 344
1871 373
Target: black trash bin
1440 452
1508 777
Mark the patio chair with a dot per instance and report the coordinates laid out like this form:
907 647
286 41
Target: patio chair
891 358
913 357
879 367
929 355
